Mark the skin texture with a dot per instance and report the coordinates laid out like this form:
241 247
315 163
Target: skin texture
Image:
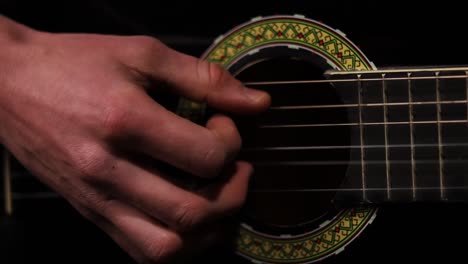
76 113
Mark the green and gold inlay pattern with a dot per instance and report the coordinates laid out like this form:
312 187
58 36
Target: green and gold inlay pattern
308 248
310 35
293 31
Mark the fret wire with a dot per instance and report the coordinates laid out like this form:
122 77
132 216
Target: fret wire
280 148
385 116
361 138
7 182
466 83
298 107
439 139
364 124
350 80
411 119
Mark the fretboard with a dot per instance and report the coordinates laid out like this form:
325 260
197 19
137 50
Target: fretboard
409 134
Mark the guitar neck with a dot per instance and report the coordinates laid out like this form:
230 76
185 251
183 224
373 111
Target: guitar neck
409 133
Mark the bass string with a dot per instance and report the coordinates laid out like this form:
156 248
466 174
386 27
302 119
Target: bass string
52 195
306 125
266 83
352 162
332 147
383 189
300 107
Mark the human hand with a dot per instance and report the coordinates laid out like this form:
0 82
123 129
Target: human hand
75 112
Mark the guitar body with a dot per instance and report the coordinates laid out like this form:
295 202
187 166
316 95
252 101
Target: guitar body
307 152
267 48
282 222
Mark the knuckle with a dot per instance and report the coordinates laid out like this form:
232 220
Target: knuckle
147 46
189 215
101 204
88 213
161 249
95 209
213 159
212 74
216 74
148 43
115 118
92 163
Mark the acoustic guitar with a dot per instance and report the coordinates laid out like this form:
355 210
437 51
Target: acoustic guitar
341 139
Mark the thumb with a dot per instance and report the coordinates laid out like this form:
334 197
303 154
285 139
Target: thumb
202 81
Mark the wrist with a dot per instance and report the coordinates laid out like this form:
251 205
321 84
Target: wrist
12 32
12 36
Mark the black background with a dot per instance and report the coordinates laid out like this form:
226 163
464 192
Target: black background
389 32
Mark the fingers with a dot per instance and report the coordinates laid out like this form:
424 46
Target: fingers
224 129
167 137
178 208
196 79
145 239
208 82
163 135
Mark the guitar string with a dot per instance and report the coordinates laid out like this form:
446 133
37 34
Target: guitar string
301 107
16 195
52 195
333 147
360 123
365 104
458 188
354 105
460 121
266 83
349 162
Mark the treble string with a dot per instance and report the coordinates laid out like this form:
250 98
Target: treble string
383 78
355 105
300 107
329 81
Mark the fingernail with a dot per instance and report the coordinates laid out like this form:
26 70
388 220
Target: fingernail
255 95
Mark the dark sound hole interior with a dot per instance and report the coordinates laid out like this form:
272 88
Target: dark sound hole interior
283 189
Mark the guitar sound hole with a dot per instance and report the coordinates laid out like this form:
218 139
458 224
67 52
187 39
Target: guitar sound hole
293 165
